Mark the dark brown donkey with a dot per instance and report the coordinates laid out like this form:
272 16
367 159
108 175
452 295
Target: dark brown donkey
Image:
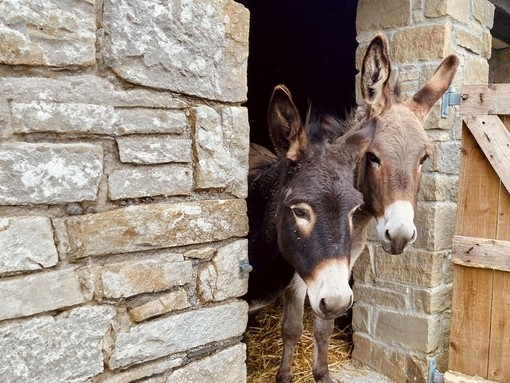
388 176
300 207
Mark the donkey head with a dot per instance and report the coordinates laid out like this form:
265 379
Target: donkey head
315 204
390 175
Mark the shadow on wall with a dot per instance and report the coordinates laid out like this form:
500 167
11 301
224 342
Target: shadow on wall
309 46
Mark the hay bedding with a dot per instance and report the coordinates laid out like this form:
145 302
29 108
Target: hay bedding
264 343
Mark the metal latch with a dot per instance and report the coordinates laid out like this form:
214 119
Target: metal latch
434 375
449 98
244 268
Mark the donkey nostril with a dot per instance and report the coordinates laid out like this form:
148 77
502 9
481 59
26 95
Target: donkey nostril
351 301
323 306
387 235
413 238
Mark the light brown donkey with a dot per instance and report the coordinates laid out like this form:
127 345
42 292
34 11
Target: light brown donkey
389 178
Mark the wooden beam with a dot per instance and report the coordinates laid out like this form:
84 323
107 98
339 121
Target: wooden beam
494 140
499 352
485 99
481 253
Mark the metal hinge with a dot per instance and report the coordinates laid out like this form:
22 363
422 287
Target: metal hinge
449 98
434 375
244 268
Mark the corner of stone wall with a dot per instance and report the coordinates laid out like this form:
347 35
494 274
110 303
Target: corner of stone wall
123 169
402 313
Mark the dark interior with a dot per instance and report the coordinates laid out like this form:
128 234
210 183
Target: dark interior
309 46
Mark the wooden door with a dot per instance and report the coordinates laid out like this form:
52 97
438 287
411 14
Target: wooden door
480 327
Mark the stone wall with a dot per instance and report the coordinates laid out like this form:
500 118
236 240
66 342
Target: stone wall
403 302
123 163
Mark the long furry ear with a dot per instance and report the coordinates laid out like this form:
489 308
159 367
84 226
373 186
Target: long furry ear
285 127
375 76
352 146
440 81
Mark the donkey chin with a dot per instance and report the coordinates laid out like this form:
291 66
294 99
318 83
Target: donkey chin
328 288
396 228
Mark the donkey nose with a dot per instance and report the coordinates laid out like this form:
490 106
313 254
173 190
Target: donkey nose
334 307
399 238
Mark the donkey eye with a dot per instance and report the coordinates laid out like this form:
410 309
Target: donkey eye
424 158
302 211
373 158
299 213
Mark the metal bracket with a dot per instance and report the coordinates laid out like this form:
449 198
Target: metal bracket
449 98
434 375
244 268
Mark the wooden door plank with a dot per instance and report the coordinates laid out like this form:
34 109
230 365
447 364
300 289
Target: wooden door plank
494 140
477 205
503 229
485 99
478 191
471 318
481 253
499 351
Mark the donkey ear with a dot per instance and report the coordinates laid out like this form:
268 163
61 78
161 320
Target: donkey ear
353 145
440 81
375 76
285 126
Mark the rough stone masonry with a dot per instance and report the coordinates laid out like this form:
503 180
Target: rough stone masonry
123 163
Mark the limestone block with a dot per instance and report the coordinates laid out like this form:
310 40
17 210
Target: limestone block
43 116
146 370
361 318
476 70
432 301
147 120
125 279
201 253
438 187
231 363
220 279
37 293
379 357
457 9
165 336
412 331
193 47
26 243
222 146
363 270
49 173
71 117
457 377
64 348
370 294
88 89
154 149
435 222
390 13
414 266
483 11
430 42
477 40
417 367
446 159
155 226
163 304
47 32
150 181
